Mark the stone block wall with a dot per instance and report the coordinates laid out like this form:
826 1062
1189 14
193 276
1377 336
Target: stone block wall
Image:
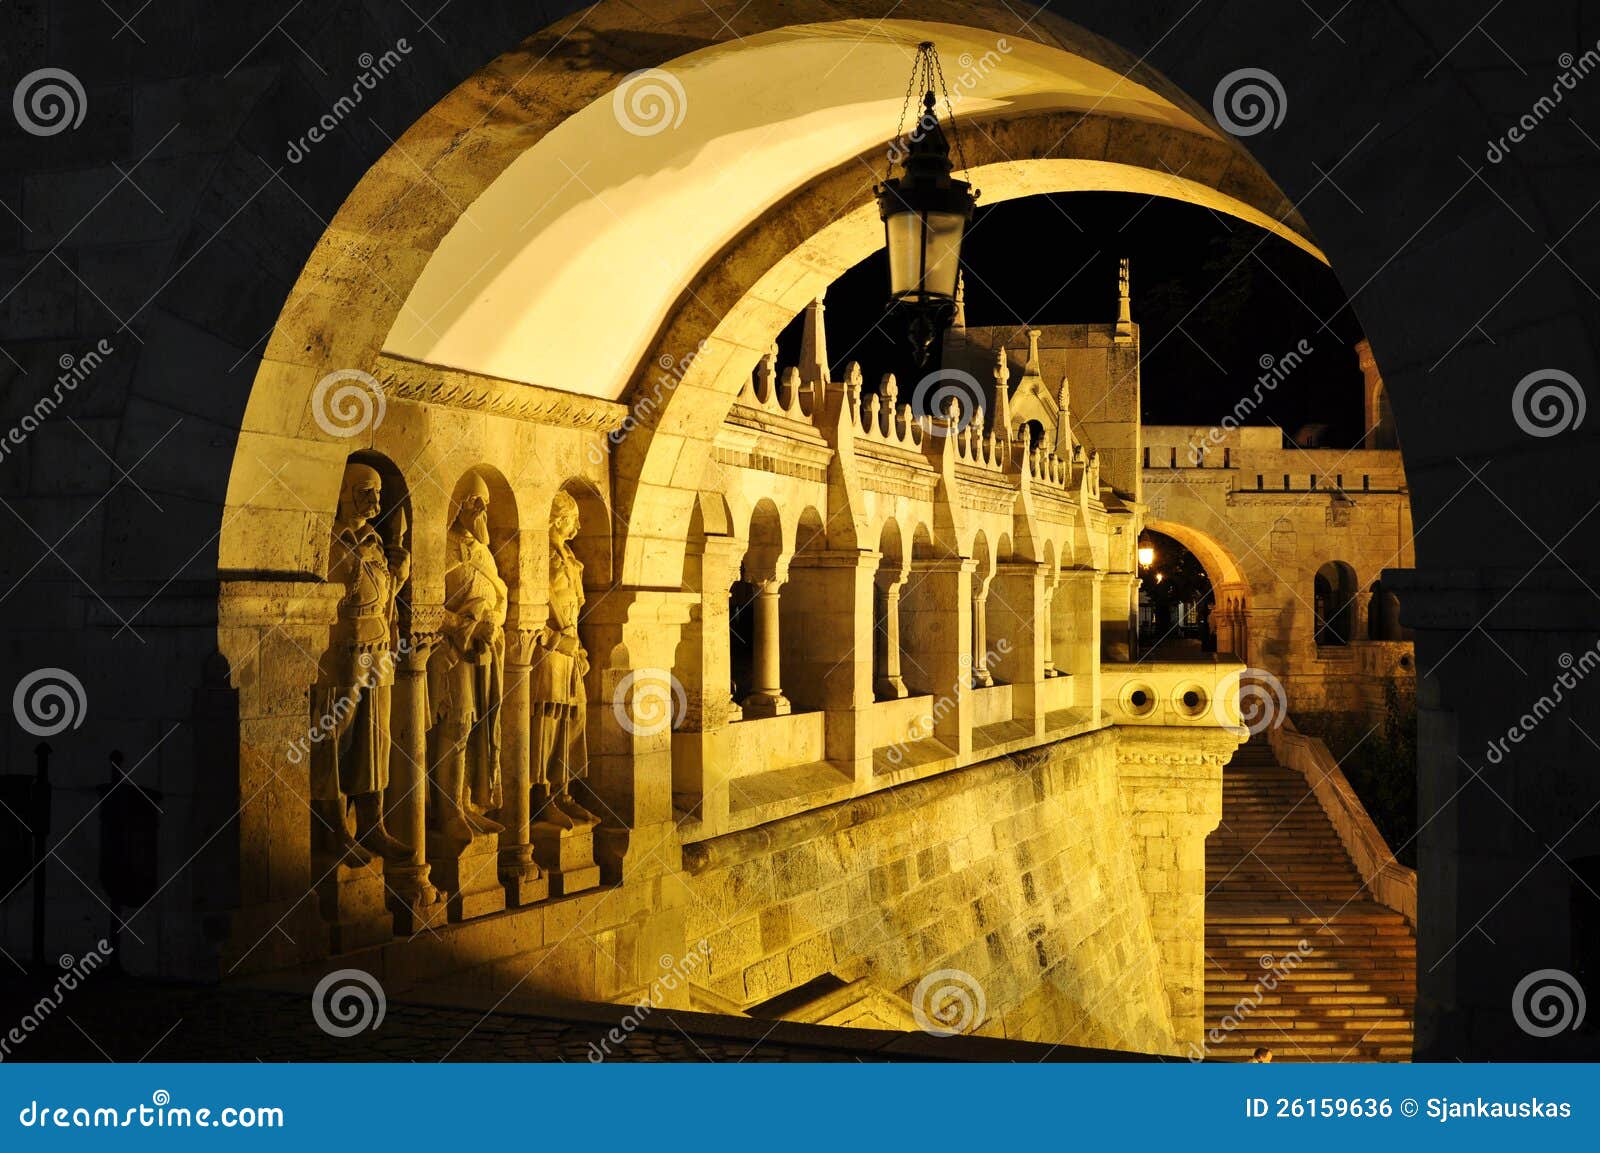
1025 874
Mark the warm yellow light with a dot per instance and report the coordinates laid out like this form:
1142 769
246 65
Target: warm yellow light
1160 577
1147 555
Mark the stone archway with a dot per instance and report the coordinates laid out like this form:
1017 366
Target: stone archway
1230 588
1420 102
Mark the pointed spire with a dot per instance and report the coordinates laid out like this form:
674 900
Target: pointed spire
1002 393
1032 367
814 346
960 320
1064 422
1124 305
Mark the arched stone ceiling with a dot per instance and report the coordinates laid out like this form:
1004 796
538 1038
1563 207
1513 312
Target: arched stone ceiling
562 271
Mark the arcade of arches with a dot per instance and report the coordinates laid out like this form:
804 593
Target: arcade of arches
603 637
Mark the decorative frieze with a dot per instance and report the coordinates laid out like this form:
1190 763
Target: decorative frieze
450 388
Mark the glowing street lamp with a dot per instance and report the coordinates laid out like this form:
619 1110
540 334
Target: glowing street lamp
925 213
1147 552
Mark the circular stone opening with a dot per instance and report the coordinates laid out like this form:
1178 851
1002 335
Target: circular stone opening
1190 700
1138 700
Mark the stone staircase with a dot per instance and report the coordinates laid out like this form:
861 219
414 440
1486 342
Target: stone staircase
1277 875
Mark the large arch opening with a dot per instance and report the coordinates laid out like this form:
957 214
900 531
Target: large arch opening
659 458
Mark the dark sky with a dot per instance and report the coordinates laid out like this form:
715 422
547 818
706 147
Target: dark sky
1237 292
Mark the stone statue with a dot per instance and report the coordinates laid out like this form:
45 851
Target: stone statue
559 664
352 694
466 674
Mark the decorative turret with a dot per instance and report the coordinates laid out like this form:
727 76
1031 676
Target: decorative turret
1064 442
1124 305
1032 367
1002 394
814 347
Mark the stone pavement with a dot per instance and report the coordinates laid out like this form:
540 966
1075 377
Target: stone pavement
125 1019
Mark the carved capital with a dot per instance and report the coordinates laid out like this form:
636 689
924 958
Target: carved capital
520 644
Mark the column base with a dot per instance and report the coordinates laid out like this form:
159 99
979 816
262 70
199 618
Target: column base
567 858
416 904
351 898
890 689
470 873
766 705
524 881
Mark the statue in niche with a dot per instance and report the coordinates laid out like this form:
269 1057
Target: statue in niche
350 767
466 674
559 700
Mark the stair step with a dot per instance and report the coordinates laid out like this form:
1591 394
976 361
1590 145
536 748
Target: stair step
1277 875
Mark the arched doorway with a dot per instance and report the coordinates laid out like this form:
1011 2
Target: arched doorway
1228 618
653 510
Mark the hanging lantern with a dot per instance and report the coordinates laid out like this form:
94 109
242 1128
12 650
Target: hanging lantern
925 213
1147 553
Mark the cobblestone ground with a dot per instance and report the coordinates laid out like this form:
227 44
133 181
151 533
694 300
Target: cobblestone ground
122 1019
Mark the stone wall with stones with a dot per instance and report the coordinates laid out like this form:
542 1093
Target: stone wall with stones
1028 873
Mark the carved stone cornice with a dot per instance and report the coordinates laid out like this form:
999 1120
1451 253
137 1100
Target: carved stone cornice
451 388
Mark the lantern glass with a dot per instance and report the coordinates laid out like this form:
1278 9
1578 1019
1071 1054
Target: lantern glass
903 235
924 253
942 247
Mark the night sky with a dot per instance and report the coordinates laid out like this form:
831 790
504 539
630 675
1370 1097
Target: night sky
1238 293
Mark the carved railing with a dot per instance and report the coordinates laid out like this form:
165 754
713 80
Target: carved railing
883 418
782 394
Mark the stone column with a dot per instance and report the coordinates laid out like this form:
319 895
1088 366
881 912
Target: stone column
1020 626
631 742
1119 601
891 685
767 699
1046 608
416 902
525 883
938 631
981 677
708 683
1170 786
